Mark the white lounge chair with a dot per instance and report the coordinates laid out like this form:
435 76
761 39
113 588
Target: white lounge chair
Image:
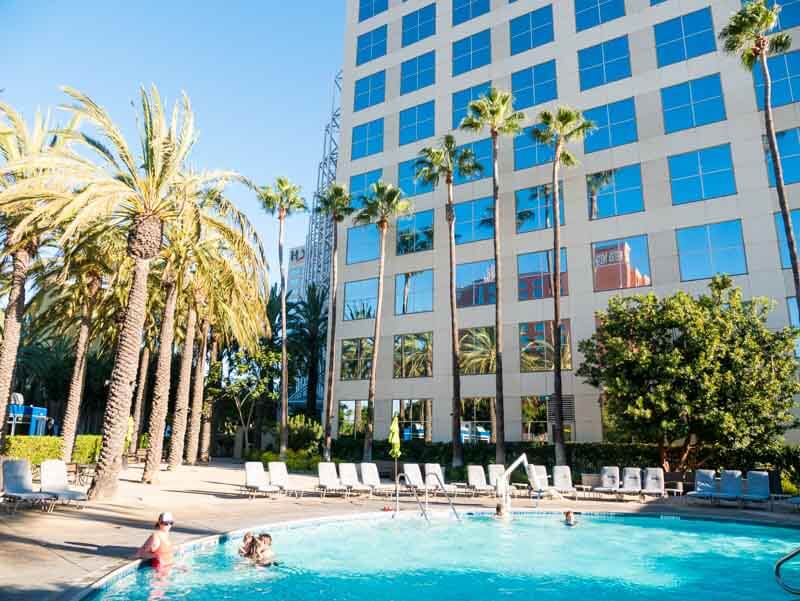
434 480
705 486
329 482
279 476
496 470
609 481
476 481
18 485
537 486
562 481
348 476
54 482
370 477
654 482
631 482
256 480
413 477
757 488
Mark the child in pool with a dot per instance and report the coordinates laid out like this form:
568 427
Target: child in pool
569 519
263 554
247 544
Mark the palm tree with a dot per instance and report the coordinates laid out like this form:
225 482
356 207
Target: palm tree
478 351
180 414
594 183
335 203
207 426
309 325
495 112
284 199
445 161
193 435
747 35
385 204
565 126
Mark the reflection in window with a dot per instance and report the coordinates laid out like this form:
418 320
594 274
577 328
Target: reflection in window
531 30
477 351
474 220
362 243
371 45
367 139
360 187
622 263
413 292
482 150
462 99
615 123
356 358
604 63
535 274
534 85
475 284
415 417
407 179
360 299
685 37
415 232
472 52
693 103
534 419
789 16
537 344
589 13
789 155
794 321
783 247
615 192
418 72
416 123
478 420
784 72
370 90
701 174
353 418
529 152
413 355
534 207
419 25
706 250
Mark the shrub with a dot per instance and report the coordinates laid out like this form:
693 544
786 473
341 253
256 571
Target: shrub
87 448
305 433
40 448
296 461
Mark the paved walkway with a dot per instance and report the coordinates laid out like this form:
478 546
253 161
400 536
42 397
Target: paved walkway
52 556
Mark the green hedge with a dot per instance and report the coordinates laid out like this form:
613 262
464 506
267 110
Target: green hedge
40 448
296 461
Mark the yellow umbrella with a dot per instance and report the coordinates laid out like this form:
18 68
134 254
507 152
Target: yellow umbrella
394 451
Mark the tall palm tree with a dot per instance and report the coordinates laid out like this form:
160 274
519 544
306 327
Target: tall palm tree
193 434
748 35
207 426
180 414
336 204
495 112
435 164
385 204
558 129
309 325
284 199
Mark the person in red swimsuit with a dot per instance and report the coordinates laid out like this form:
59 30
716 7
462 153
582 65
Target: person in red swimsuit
158 547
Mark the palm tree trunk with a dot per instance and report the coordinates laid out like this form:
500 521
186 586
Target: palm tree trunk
558 426
179 417
428 420
193 436
776 165
284 444
373 371
208 409
12 328
160 403
138 404
312 381
406 290
123 377
500 452
458 447
76 384
332 318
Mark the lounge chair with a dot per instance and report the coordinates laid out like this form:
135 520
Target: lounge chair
654 482
329 482
54 482
631 482
256 480
370 477
18 485
609 481
348 477
730 487
434 480
757 488
562 481
537 486
705 486
476 481
279 476
496 471
413 477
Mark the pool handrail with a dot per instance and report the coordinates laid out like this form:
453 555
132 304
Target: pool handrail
779 579
413 489
444 491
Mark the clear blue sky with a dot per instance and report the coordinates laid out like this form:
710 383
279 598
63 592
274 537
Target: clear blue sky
259 74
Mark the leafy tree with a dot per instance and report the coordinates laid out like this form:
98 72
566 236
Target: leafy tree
695 372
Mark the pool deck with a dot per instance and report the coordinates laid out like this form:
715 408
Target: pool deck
53 556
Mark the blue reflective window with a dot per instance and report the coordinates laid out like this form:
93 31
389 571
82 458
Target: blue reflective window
789 15
474 220
535 275
370 90
413 292
615 123
604 63
620 264
529 152
418 72
464 10
789 153
416 123
360 186
534 207
783 247
531 30
794 320
534 85
415 232
693 103
472 52
367 139
370 8
701 174
706 250
784 71
475 284
371 45
362 243
407 179
360 299
684 37
589 13
615 192
482 149
419 25
462 99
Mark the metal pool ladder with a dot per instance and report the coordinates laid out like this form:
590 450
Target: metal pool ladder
779 578
444 491
422 509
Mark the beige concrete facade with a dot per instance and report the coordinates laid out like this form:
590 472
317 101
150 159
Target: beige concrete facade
754 203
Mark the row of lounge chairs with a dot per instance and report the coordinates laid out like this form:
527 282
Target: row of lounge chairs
18 485
731 487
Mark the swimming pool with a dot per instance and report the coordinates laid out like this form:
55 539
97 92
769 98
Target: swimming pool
604 558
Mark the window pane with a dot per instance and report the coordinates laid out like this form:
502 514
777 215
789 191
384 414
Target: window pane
684 37
706 250
482 150
415 417
693 103
477 420
417 123
537 345
604 63
418 72
474 220
477 351
356 358
360 299
783 247
534 85
415 232
370 90
475 284
589 13
361 185
534 274
531 30
462 99
528 152
789 153
702 174
407 179
370 8
362 243
371 45
472 52
615 123
419 25
622 263
413 292
464 10
534 207
353 418
413 355
367 139
614 192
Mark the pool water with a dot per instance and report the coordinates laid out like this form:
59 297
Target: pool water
533 557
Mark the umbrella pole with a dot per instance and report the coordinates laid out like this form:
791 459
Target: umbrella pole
396 489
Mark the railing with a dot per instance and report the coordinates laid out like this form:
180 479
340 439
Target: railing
504 487
779 578
416 496
444 492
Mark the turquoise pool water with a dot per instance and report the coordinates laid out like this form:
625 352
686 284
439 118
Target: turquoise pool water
533 557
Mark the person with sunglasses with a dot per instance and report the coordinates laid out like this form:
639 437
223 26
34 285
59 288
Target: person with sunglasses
158 547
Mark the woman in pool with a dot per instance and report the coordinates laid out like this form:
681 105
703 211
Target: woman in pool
262 553
158 547
247 544
569 519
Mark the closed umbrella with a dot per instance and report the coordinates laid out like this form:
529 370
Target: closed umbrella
394 451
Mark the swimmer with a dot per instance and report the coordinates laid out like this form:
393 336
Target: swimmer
262 553
247 543
569 519
158 547
500 512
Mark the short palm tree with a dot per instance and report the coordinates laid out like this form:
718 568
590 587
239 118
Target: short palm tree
495 112
336 204
748 34
283 200
435 164
384 205
558 129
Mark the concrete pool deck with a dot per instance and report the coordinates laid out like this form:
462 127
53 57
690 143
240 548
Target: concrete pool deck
53 556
